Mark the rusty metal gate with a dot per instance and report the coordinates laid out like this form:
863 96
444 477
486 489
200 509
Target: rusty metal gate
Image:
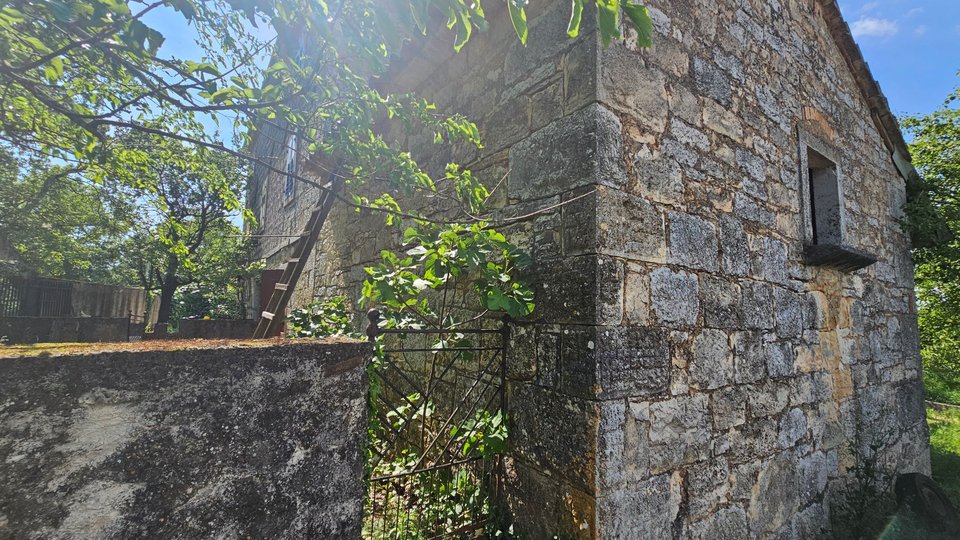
438 427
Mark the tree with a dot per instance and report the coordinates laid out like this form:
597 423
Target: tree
936 154
74 72
56 223
184 236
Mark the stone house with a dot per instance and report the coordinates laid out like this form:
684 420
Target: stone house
726 317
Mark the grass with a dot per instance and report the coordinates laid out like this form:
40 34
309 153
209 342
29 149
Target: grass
945 450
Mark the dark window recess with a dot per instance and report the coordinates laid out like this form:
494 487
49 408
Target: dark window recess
824 199
826 247
290 182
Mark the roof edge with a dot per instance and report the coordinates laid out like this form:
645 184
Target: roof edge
883 118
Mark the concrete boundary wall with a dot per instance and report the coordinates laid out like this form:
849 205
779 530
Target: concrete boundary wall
166 440
64 329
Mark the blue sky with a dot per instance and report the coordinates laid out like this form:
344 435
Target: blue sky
912 46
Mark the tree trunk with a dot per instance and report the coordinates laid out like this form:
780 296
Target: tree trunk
166 301
167 289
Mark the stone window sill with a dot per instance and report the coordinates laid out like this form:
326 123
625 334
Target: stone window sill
841 257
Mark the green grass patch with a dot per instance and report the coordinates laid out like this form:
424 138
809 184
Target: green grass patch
942 387
945 450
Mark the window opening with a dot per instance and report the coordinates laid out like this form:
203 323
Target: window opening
289 186
825 205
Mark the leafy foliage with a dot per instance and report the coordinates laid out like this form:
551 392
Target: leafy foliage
438 260
325 318
936 154
55 223
85 82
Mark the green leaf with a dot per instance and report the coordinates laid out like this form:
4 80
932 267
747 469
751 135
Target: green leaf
642 23
576 15
608 18
464 29
201 67
518 16
57 65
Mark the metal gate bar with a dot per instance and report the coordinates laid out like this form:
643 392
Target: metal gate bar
424 481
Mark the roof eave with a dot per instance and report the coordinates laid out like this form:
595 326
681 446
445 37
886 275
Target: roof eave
885 121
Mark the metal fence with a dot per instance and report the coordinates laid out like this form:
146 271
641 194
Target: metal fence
438 427
47 297
34 298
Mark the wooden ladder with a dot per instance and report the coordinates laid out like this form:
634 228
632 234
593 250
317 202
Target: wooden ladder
272 317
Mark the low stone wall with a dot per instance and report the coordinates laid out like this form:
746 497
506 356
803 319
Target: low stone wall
160 440
64 329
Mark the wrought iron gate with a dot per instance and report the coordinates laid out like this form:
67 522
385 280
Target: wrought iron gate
438 427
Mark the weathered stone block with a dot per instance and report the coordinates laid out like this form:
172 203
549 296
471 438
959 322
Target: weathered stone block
636 299
537 416
735 250
749 357
711 81
646 510
721 302
712 363
753 440
770 259
576 150
658 178
793 427
675 296
679 431
546 105
548 358
813 473
725 523
775 496
769 398
693 242
629 86
754 176
721 120
524 66
565 289
522 354
551 506
708 484
758 308
615 362
628 226
781 359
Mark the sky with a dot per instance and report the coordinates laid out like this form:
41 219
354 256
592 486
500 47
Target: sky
912 46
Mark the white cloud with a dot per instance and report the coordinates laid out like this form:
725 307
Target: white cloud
920 31
873 27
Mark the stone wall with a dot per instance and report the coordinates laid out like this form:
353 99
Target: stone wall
781 374
236 439
64 329
688 373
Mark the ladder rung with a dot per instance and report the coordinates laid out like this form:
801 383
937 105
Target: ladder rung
267 315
